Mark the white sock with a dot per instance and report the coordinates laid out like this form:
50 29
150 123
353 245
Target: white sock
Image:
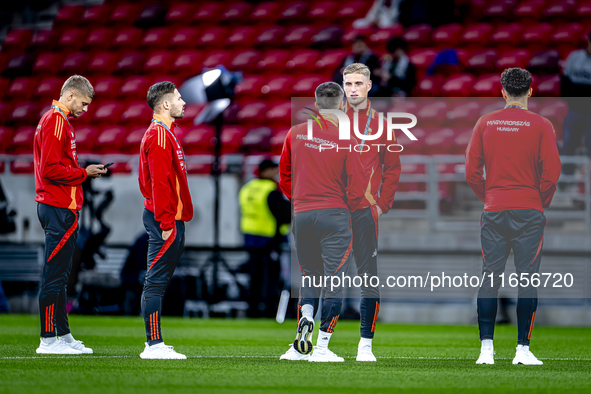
49 341
524 347
161 344
323 339
308 312
365 342
68 338
487 343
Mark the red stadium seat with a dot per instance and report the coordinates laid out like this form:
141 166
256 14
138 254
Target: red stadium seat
72 39
561 10
47 106
107 87
513 58
100 38
156 38
506 36
584 12
438 141
328 37
529 11
351 11
21 64
273 60
323 11
110 139
187 63
380 38
108 112
250 87
458 86
85 137
294 12
536 37
5 111
566 38
418 35
21 88
199 140
265 13
447 36
191 112
217 58
133 140
487 86
136 113
127 38
429 86
279 114
270 37
184 38
482 61
22 140
95 15
433 113
231 138
302 61
278 140
124 14
43 40
305 87
17 40
24 113
245 61
104 62
352 32
465 113
411 147
460 142
554 109
152 15
236 13
5 137
134 88
277 87
257 139
208 14
47 63
180 14
74 63
22 165
477 35
329 60
130 63
159 62
242 37
422 58
252 112
499 10
548 86
298 36
4 84
69 15
49 88
545 61
213 37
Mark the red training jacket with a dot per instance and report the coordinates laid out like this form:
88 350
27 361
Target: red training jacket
383 166
163 175
313 179
518 149
58 177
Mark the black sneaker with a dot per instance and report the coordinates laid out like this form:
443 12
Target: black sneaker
302 343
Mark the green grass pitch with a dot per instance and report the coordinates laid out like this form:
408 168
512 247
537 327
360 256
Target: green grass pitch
242 356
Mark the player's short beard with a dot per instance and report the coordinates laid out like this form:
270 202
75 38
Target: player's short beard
178 114
356 100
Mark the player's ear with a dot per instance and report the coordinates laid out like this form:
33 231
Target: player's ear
341 106
369 84
504 93
531 90
316 105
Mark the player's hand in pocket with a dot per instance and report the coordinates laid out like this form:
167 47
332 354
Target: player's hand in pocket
379 210
166 234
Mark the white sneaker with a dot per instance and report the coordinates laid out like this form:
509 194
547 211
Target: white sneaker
324 355
525 357
294 355
364 353
303 342
56 347
486 357
78 345
161 351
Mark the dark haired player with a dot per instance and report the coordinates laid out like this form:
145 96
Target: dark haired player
168 205
518 150
58 183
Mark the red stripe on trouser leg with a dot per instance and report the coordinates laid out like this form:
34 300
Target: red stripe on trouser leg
64 238
374 214
51 320
165 247
539 248
375 317
531 327
157 327
151 328
46 318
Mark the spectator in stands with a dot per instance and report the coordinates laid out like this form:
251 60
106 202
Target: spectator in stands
383 13
576 84
397 74
360 53
266 215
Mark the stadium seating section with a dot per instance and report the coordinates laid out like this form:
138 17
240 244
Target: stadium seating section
284 49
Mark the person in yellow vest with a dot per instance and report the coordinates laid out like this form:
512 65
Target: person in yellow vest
265 218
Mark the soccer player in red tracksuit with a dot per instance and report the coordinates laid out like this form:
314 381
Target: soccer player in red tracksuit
168 205
324 187
381 183
518 150
58 183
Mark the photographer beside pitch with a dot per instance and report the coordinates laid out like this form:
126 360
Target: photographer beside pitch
58 183
518 150
168 205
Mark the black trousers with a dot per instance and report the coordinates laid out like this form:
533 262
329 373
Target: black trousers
365 250
323 246
163 257
61 231
520 230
